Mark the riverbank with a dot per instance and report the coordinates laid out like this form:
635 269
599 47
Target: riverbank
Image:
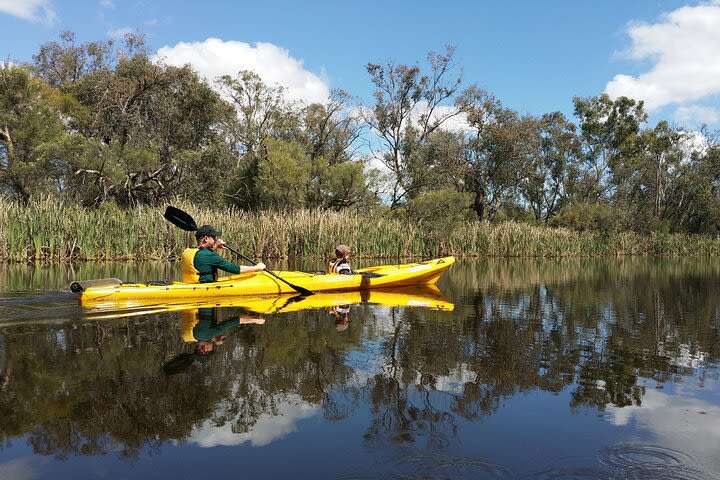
51 231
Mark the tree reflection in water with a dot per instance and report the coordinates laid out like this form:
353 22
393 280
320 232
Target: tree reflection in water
596 329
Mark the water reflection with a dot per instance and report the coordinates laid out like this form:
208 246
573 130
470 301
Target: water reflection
206 328
620 353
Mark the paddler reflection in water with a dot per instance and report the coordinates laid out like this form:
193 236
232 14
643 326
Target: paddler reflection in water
201 326
341 312
200 264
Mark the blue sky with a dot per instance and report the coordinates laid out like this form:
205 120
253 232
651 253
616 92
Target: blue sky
534 56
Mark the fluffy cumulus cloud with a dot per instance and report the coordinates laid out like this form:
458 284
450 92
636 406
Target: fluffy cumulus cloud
33 10
699 113
215 57
683 49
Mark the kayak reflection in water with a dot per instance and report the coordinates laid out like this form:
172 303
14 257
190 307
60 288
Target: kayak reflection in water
201 325
341 312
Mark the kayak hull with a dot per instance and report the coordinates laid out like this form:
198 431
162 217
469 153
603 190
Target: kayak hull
262 283
425 296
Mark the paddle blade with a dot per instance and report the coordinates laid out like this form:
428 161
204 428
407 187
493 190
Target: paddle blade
180 219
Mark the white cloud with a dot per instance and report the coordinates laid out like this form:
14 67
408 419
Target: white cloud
33 10
684 49
696 113
680 422
19 469
107 3
456 123
694 142
119 32
267 428
215 57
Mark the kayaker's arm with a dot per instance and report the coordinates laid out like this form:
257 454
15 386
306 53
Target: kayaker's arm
258 267
230 267
215 261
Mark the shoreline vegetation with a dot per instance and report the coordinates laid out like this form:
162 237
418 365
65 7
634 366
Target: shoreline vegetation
55 231
97 137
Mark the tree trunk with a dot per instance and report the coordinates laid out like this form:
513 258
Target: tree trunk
479 204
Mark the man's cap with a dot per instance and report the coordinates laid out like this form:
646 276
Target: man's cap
207 230
342 249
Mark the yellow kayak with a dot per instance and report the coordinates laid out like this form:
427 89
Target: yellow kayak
262 283
424 296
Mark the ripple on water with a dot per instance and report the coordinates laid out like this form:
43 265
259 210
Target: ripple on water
570 474
22 307
447 467
642 461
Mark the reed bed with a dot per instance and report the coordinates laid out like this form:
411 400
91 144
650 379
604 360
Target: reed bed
56 231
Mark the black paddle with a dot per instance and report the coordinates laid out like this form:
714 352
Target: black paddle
184 221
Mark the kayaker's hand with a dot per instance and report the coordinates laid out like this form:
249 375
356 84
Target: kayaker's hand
260 266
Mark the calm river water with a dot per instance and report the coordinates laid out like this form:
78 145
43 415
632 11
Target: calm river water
570 368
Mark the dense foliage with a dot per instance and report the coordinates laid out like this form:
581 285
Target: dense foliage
103 123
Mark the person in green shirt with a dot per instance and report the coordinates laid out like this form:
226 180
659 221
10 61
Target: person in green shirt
200 265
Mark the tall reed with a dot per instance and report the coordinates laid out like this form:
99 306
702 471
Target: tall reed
52 230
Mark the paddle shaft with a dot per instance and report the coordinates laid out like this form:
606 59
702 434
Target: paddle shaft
241 255
301 290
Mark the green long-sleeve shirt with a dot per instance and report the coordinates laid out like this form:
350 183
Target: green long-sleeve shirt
207 263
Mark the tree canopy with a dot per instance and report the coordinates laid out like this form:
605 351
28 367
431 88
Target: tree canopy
104 122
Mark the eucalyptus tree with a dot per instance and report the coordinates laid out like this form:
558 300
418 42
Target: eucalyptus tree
64 62
608 132
696 200
260 111
283 175
330 136
492 152
436 164
134 126
147 127
29 125
644 180
552 147
410 104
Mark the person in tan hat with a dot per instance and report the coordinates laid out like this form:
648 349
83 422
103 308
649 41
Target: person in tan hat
340 265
